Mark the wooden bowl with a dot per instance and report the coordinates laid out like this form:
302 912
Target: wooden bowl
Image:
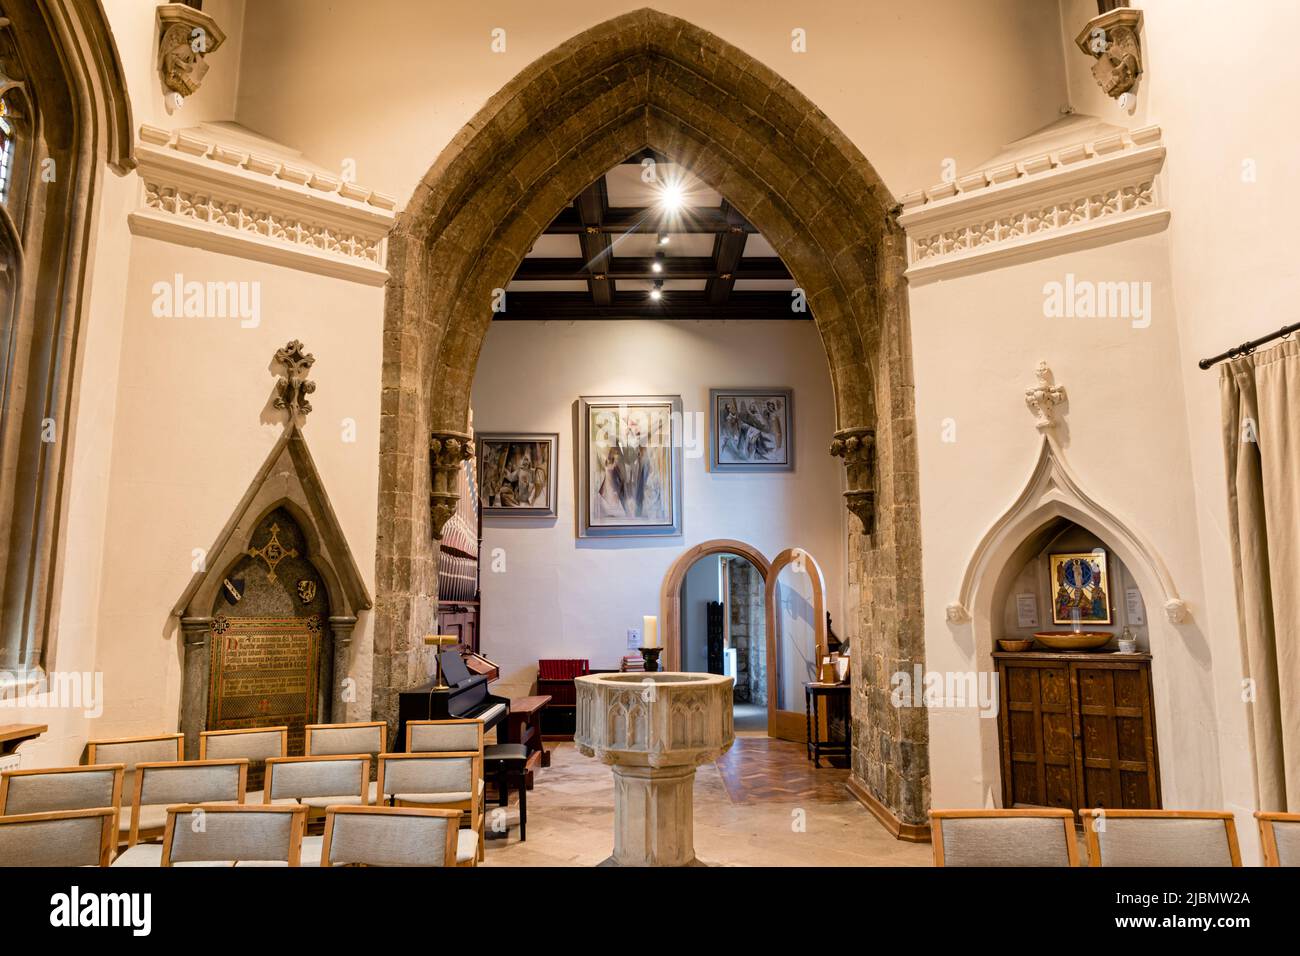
1015 646
1074 640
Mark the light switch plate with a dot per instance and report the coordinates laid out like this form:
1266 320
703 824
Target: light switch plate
633 638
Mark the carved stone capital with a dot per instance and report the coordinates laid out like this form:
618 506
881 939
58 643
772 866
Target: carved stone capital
448 451
1112 40
185 38
1042 398
1176 611
857 446
957 613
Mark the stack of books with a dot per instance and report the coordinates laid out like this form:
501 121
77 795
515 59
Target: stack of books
632 662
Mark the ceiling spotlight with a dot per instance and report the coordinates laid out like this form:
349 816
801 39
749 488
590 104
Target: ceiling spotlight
658 264
657 292
663 238
672 197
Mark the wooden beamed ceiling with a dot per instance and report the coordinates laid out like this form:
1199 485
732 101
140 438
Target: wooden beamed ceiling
600 258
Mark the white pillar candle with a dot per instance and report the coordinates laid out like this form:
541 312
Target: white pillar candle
650 631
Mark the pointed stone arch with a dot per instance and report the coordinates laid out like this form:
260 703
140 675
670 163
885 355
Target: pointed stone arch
288 480
645 79
1178 671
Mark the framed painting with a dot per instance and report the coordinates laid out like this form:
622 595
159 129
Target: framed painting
518 474
751 429
1081 584
630 467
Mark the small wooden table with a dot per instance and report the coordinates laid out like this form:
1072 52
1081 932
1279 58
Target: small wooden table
524 726
813 691
11 735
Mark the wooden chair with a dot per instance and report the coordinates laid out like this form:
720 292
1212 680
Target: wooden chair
59 838
1279 835
160 785
391 836
61 788
317 783
444 736
1018 837
447 781
1160 838
234 835
256 744
130 751
363 737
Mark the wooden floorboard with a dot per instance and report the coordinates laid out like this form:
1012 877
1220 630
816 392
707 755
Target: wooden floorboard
763 769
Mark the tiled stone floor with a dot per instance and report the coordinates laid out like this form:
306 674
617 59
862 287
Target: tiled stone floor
748 807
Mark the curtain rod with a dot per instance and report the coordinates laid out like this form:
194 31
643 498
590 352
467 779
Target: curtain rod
1247 347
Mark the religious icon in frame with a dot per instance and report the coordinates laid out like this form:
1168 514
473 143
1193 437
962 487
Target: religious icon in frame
1080 587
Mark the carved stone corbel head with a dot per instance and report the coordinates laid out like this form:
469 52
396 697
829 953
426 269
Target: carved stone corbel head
1112 41
1043 396
185 37
448 451
857 446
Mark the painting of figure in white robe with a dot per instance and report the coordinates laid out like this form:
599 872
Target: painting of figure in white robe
752 429
631 466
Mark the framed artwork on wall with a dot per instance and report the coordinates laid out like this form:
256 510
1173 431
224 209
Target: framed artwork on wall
518 474
751 429
630 465
1081 586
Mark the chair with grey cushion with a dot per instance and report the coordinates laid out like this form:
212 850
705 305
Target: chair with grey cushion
447 781
59 838
160 785
317 783
256 744
234 835
1026 837
1161 838
444 736
130 751
1279 835
391 836
332 740
61 788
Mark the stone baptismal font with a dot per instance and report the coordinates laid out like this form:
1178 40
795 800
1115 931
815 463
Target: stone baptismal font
653 730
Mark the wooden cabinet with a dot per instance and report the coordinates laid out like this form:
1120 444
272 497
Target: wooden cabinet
1077 730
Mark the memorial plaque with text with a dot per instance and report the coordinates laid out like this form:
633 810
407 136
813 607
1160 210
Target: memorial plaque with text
264 673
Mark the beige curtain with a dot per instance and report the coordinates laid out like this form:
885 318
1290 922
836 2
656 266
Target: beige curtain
1261 437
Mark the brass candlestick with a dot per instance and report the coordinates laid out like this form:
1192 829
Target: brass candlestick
438 640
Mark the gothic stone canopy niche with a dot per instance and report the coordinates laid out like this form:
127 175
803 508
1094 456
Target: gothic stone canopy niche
268 622
641 81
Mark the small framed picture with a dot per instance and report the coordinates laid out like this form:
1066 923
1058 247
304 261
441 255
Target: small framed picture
518 474
1081 588
751 429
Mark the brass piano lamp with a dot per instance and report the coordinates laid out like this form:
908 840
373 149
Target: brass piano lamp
436 640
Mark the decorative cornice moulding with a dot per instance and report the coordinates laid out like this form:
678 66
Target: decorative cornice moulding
202 193
1046 203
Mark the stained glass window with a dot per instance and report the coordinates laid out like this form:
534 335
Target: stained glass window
8 134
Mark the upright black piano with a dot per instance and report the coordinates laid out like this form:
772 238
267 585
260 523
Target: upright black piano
465 696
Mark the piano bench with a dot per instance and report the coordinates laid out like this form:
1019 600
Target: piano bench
508 763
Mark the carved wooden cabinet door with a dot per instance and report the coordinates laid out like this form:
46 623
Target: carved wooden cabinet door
1115 760
1038 764
1077 730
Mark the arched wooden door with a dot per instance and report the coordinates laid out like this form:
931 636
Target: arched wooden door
796 639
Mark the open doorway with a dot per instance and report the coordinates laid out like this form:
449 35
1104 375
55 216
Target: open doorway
723 631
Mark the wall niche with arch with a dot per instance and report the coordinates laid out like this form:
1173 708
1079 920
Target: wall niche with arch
267 624
1074 729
